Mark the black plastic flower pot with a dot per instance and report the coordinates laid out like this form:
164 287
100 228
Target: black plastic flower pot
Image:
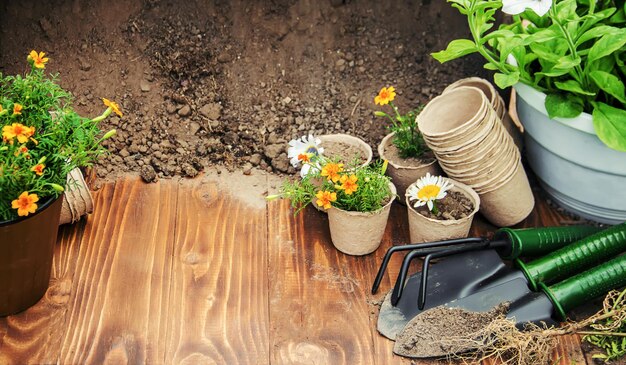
26 252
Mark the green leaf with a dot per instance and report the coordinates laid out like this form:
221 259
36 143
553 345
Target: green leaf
572 86
563 105
503 80
567 62
542 36
610 83
596 32
566 10
500 33
610 126
490 66
457 48
606 45
544 52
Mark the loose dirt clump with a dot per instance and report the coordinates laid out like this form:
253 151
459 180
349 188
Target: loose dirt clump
229 83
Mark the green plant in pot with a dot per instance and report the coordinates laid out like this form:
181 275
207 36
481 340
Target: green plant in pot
408 155
566 61
43 139
356 197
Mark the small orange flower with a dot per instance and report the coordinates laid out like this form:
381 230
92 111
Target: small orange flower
348 184
17 109
113 105
23 150
304 157
385 95
38 169
324 198
331 170
25 204
38 59
22 132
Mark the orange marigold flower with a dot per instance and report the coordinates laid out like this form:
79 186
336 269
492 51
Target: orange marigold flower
22 132
348 184
385 95
17 109
39 60
38 169
331 170
324 198
113 105
25 204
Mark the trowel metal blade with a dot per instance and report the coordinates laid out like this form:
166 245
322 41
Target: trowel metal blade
450 278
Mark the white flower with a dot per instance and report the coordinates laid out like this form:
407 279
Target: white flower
308 168
303 149
428 189
510 59
513 7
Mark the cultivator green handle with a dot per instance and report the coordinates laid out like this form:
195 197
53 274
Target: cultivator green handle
575 257
539 241
586 286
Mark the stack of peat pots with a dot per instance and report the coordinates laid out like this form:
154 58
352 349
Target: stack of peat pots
463 130
496 102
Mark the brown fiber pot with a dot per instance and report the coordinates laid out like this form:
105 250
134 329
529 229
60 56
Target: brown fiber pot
26 251
401 175
359 233
424 229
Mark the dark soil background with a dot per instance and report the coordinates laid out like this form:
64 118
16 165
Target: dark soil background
228 83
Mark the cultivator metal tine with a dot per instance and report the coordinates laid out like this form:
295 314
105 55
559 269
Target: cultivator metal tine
423 250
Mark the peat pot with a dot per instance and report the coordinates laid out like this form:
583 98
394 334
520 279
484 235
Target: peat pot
359 233
575 168
425 229
403 174
26 251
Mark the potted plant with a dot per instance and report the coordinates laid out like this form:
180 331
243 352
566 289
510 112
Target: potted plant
357 198
440 208
409 157
43 139
565 59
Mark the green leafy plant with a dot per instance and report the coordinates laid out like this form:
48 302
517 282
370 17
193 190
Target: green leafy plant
575 53
328 184
407 137
43 139
609 332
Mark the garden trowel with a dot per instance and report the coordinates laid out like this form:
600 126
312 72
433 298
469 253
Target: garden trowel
547 306
469 272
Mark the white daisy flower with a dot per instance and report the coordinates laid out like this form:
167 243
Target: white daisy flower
303 149
428 189
513 7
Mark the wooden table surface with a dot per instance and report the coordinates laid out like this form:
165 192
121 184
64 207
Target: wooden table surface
184 273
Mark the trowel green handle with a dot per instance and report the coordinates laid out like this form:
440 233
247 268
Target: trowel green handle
586 286
539 241
575 257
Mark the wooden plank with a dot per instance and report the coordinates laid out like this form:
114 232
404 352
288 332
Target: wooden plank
121 287
319 311
35 335
218 310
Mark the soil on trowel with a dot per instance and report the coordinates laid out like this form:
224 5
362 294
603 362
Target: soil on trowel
455 205
443 331
393 154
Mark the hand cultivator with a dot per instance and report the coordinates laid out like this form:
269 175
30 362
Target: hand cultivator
472 275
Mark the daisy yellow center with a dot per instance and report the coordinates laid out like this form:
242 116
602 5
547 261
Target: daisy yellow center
428 192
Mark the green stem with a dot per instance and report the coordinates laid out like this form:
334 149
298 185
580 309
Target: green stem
578 73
